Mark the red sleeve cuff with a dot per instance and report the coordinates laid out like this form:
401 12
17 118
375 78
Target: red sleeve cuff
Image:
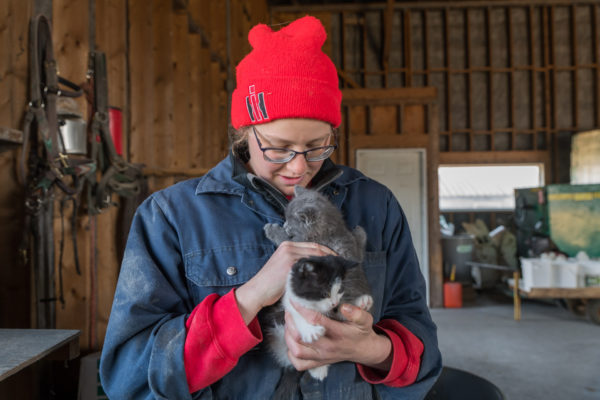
407 349
216 338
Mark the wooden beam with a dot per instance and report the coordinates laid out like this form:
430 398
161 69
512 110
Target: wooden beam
436 275
563 293
141 73
389 96
170 172
494 157
388 21
382 5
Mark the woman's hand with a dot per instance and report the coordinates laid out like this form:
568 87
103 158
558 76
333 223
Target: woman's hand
352 340
267 286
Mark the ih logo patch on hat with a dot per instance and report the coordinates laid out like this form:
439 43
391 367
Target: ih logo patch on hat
255 103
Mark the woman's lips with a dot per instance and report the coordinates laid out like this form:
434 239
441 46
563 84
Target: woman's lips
289 180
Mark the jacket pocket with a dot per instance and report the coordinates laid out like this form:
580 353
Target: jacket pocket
374 265
218 270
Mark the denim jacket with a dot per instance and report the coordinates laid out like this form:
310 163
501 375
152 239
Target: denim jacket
181 247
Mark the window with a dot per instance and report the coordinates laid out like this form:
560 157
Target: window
485 187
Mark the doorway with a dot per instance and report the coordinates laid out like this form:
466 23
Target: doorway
403 171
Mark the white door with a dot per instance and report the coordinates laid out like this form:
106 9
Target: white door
403 172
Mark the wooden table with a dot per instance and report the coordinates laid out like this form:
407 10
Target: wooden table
591 295
20 348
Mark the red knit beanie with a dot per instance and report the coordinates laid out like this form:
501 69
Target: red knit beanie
286 75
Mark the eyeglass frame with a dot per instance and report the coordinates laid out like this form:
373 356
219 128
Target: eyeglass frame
294 152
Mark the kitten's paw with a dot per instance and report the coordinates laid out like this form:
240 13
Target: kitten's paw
311 333
319 373
365 302
274 232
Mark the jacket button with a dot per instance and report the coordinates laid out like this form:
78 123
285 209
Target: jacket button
231 271
336 192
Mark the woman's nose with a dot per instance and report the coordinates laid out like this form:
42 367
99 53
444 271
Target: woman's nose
298 164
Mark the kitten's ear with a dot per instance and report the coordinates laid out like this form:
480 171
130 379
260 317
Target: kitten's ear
306 269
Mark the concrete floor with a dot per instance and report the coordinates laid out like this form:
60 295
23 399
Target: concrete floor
550 354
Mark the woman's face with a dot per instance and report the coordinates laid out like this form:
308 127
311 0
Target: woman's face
294 134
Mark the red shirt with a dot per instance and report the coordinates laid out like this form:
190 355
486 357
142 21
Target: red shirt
217 337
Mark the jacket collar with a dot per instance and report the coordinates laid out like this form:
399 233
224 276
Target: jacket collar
232 177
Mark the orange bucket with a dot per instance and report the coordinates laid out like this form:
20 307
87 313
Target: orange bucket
452 295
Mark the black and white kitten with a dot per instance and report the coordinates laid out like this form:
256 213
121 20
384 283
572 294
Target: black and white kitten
318 283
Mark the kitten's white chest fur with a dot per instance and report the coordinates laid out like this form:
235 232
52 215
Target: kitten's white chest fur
308 332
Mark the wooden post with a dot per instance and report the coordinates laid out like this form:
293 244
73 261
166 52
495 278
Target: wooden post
516 297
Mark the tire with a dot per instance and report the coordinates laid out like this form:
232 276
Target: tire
593 310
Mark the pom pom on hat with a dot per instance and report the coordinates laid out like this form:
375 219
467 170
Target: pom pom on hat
286 75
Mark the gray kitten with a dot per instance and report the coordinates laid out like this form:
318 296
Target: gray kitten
311 217
318 283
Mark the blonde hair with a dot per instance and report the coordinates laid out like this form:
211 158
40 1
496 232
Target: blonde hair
238 141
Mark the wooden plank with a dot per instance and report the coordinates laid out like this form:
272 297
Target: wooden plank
563 293
532 76
388 21
70 36
384 142
334 7
469 76
448 99
433 211
574 62
196 128
70 33
596 58
140 80
108 268
162 53
75 313
511 80
357 120
170 172
494 157
407 48
384 120
181 96
413 119
488 19
111 25
202 17
217 30
19 36
389 96
6 112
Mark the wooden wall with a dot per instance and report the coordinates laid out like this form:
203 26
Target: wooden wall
14 277
169 69
515 79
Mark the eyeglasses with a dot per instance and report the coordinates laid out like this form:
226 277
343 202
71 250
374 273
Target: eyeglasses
279 155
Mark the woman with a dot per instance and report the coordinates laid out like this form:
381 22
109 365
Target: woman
198 267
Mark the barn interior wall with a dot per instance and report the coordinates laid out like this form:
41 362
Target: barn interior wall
514 80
